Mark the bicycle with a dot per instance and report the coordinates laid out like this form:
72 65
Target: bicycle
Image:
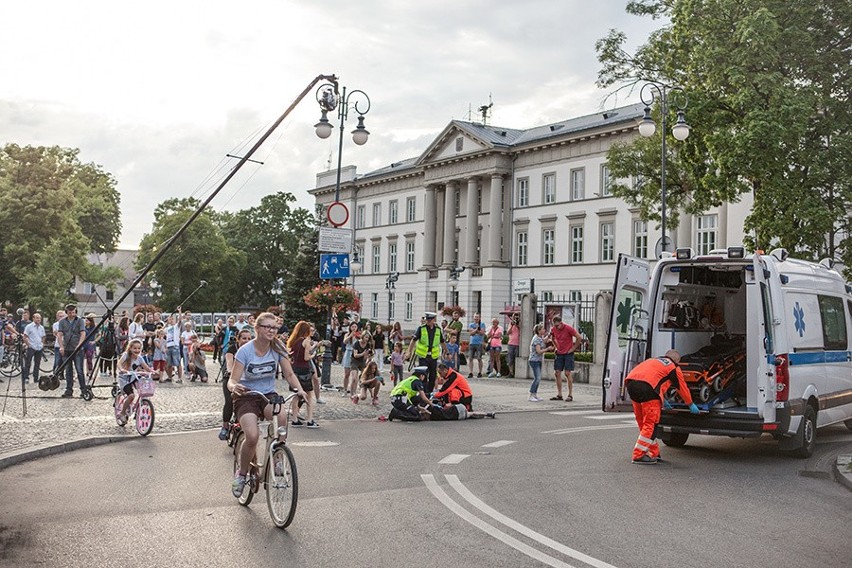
13 355
142 408
278 475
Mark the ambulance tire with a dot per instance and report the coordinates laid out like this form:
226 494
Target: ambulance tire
674 439
809 426
849 423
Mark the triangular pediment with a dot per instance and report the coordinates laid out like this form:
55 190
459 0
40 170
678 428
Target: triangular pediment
454 141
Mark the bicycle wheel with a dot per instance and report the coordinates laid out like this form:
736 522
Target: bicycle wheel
145 417
247 495
45 362
282 486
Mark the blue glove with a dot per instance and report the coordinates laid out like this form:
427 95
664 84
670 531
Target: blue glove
666 405
693 409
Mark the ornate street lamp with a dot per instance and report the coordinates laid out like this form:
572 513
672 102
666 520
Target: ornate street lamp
661 92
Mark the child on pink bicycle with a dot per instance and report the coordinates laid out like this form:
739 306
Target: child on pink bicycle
130 362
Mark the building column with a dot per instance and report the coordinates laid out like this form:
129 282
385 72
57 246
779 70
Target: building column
449 223
429 231
495 220
472 223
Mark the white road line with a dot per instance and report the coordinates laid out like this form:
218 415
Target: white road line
48 420
526 531
574 412
445 499
498 444
590 428
614 416
454 458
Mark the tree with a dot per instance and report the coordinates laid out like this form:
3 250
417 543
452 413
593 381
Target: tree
200 253
54 210
768 84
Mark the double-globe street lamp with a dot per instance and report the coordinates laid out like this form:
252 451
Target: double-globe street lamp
330 99
659 91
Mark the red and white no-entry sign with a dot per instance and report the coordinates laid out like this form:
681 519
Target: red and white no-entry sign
337 213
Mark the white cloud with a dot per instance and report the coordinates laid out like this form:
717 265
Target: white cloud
158 93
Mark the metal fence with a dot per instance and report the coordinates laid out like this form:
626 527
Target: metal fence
584 320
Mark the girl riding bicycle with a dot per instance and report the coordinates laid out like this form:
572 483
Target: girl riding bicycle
131 360
254 370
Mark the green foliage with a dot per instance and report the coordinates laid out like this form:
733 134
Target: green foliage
54 210
768 84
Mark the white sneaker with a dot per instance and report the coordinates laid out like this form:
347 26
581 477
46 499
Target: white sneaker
534 399
320 401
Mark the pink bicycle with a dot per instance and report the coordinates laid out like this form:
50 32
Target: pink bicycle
141 409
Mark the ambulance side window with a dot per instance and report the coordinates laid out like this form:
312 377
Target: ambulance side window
768 341
833 323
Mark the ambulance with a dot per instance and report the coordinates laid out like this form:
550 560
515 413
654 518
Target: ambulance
765 340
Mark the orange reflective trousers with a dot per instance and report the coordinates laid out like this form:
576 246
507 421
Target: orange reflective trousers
647 417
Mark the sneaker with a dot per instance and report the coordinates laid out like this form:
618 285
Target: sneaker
470 376
122 421
479 376
375 401
534 398
223 433
492 375
238 485
646 460
178 380
320 401
660 459
297 423
312 424
491 415
355 399
67 394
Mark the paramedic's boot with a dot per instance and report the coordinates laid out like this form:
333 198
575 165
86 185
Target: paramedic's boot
646 460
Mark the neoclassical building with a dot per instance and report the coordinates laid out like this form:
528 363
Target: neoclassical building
506 205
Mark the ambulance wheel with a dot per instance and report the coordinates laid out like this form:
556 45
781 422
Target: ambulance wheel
674 439
806 450
703 393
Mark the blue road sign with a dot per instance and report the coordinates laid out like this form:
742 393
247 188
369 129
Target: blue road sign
334 266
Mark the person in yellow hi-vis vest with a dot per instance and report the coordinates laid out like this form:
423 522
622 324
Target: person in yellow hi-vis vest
428 343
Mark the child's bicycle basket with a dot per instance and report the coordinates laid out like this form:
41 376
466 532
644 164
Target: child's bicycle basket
146 387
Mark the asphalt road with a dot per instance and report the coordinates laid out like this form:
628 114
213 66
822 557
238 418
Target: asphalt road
526 489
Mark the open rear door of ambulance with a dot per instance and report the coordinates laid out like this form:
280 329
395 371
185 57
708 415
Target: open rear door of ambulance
768 359
628 330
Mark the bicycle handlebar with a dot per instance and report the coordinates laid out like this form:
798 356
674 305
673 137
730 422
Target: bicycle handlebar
279 399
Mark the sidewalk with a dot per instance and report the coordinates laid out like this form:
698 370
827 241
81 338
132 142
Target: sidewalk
56 424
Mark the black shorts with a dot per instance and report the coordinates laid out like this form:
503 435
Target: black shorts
305 380
251 404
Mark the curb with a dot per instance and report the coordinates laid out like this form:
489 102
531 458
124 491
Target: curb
45 451
840 476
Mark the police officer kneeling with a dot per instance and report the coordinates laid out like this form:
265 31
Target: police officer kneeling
408 395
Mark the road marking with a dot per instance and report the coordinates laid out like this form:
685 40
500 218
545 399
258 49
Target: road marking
454 458
48 420
526 531
616 416
318 444
589 428
498 444
445 499
574 412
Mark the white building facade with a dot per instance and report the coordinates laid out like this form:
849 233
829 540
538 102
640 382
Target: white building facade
506 205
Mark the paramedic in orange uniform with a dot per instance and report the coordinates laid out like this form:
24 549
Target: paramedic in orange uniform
647 384
453 388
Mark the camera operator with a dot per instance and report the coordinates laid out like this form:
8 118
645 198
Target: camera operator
514 331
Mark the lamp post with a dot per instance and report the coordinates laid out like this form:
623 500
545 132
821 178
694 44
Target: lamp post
390 284
661 92
454 281
330 99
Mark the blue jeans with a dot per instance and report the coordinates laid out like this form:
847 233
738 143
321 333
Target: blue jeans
32 358
57 358
69 372
536 371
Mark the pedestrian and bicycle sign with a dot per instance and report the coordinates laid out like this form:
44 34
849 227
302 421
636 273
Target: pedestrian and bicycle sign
334 266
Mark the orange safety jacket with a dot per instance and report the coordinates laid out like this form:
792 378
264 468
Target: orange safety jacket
660 373
455 389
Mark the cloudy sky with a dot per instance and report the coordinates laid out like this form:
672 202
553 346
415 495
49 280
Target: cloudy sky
158 92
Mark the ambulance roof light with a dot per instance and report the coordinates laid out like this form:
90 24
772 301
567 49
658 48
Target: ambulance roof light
736 252
684 253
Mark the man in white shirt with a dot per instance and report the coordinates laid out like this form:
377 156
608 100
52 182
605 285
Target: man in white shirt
241 322
57 357
34 340
173 351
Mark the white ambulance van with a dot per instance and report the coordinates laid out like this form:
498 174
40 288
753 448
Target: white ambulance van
765 340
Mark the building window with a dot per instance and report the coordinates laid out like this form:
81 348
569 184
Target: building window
549 248
409 256
524 192
409 306
459 144
576 244
607 242
479 247
606 181
110 295
548 184
547 296
374 305
377 259
578 184
575 296
361 217
479 198
392 257
705 234
640 238
377 214
458 202
411 209
391 305
393 212
88 288
523 244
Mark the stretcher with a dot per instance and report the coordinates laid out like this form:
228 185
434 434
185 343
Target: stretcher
716 372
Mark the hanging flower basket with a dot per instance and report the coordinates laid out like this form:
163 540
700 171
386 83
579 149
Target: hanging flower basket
327 297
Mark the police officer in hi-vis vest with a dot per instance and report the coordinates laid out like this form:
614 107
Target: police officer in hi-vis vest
428 343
